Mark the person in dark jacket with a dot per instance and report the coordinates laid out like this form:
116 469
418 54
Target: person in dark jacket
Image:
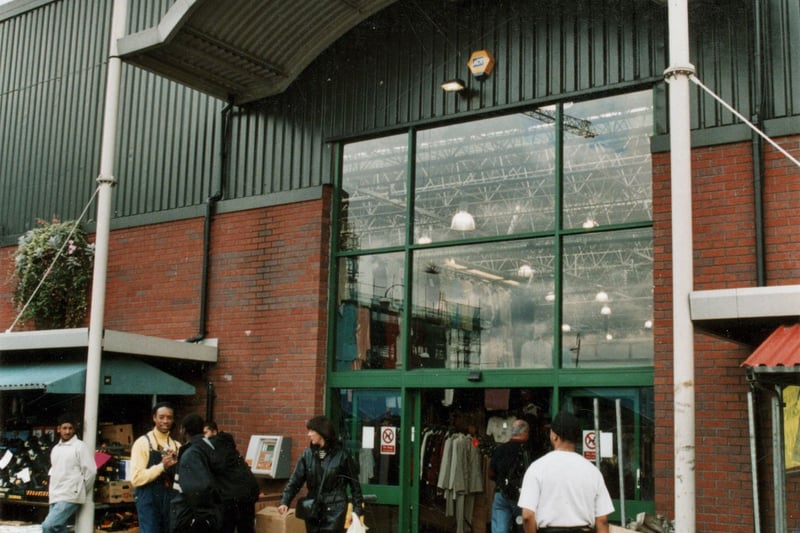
237 484
325 462
198 506
507 467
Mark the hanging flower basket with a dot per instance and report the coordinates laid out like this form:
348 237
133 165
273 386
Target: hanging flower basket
62 300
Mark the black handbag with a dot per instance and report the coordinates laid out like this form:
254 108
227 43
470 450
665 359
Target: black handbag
309 508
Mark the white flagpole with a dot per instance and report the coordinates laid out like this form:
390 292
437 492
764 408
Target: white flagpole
105 182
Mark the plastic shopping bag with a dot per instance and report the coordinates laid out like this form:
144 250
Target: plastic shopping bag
355 525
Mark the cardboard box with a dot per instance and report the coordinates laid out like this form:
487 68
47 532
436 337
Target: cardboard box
268 520
114 492
121 434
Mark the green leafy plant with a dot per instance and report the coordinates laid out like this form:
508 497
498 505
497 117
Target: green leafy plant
62 300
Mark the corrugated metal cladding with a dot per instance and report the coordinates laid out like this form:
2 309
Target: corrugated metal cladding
382 75
780 349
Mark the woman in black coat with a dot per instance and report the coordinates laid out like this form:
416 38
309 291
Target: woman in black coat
325 462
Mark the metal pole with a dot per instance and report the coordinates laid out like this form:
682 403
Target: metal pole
751 422
677 75
778 459
105 181
620 464
596 406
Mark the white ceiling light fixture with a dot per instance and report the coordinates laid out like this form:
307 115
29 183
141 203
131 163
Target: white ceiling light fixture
605 310
590 223
462 221
425 239
601 296
550 297
525 271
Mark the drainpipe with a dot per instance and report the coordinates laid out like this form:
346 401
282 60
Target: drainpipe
757 142
210 395
211 201
677 76
84 523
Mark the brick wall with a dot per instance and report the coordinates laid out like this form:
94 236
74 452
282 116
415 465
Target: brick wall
266 305
724 257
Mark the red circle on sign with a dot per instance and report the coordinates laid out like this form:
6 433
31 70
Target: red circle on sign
589 440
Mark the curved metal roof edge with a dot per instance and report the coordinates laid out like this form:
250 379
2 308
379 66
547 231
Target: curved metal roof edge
153 50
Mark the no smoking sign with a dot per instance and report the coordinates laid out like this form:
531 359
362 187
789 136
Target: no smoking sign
590 445
388 440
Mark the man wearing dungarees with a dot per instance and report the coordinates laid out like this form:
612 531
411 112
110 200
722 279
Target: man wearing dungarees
153 459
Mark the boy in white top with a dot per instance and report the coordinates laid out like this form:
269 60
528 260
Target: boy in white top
72 473
562 489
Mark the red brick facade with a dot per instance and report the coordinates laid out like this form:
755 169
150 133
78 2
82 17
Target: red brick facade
268 299
267 304
724 257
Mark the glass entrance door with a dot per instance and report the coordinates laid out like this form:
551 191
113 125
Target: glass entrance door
374 431
630 430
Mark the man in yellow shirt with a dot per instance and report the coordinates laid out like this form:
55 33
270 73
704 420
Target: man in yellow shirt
153 459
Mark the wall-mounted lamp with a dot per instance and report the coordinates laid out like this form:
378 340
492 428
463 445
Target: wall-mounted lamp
462 221
453 86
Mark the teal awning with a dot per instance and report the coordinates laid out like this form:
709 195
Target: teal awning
117 376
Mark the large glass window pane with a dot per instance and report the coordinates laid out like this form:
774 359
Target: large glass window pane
495 176
607 168
373 196
368 312
483 306
607 299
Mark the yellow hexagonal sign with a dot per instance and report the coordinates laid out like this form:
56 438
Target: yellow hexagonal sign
481 63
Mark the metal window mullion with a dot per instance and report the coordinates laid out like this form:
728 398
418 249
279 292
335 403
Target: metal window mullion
408 264
333 270
557 241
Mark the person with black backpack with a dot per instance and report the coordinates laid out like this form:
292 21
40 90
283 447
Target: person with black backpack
237 484
507 468
197 508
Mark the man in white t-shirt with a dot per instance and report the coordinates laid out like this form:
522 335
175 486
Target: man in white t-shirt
562 491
